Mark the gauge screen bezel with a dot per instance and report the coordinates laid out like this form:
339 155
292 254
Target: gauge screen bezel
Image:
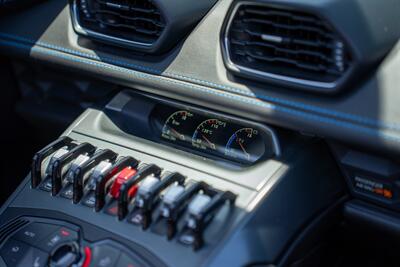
164 108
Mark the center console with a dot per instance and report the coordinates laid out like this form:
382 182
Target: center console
147 181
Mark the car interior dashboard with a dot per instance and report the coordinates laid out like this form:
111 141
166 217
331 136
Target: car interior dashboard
213 133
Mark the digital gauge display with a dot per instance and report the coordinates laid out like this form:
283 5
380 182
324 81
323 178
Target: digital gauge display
245 144
214 135
175 127
206 134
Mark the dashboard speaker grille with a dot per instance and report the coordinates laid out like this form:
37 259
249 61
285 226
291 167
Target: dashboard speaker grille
285 43
138 21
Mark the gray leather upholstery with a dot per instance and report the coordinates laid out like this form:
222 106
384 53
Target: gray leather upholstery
366 114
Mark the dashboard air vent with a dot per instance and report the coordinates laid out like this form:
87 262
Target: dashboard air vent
285 45
124 22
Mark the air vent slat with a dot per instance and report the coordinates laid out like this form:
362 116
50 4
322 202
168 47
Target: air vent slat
120 25
132 19
281 26
286 51
317 43
285 42
263 57
138 21
149 9
300 18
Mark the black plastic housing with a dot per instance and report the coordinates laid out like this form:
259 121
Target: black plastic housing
178 16
357 36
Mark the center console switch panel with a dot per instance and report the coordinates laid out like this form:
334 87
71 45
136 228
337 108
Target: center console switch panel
134 192
126 199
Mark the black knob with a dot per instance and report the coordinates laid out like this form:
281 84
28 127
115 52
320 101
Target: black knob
65 256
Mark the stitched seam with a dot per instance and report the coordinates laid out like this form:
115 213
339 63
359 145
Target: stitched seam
314 117
152 70
347 116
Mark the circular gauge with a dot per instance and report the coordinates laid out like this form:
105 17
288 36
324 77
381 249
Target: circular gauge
245 144
205 137
174 126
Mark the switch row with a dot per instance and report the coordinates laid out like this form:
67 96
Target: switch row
125 187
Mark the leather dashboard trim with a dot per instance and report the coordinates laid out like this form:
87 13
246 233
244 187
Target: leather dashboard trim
235 97
109 60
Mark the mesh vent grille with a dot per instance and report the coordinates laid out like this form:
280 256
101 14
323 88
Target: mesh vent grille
286 43
134 20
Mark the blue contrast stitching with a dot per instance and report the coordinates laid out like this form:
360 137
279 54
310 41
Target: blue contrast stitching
356 118
314 117
78 53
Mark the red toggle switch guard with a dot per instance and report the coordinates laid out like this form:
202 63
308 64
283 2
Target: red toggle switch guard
124 176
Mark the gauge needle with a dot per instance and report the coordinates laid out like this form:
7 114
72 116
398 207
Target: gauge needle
176 133
244 150
208 141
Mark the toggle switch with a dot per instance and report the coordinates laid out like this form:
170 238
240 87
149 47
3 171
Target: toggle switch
148 196
201 211
67 187
48 182
89 199
36 172
98 164
173 204
125 175
101 181
124 197
59 164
